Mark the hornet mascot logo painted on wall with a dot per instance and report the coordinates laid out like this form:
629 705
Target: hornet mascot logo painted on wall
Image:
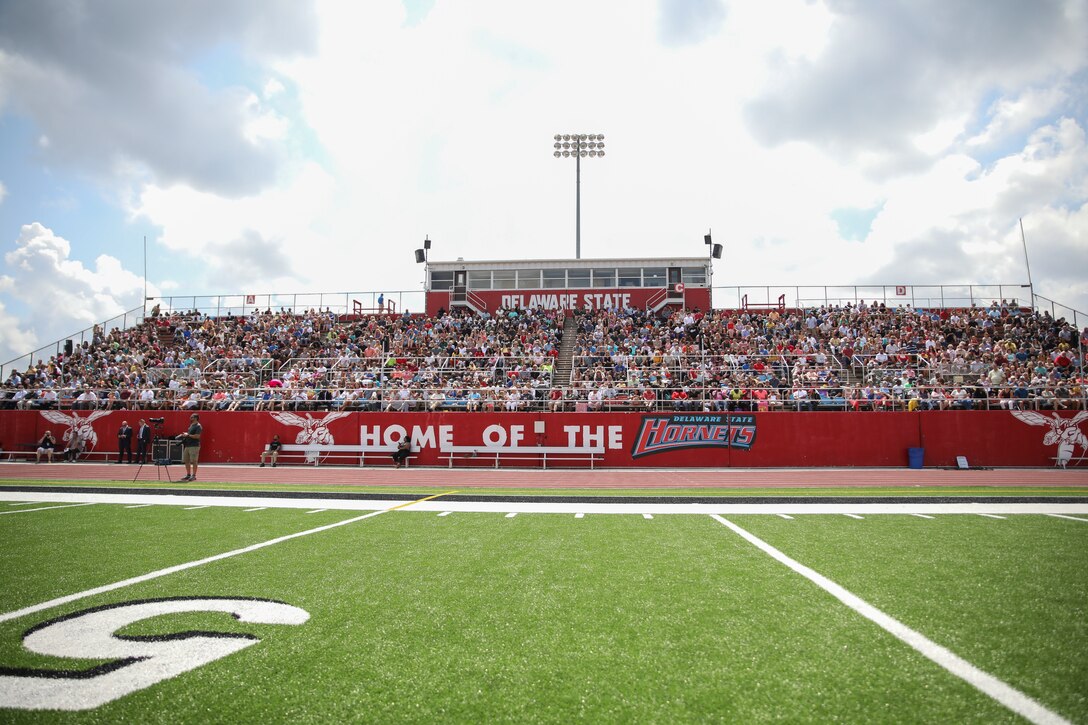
1064 432
77 425
314 431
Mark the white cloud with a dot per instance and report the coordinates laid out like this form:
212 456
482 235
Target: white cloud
3 192
263 124
958 223
15 338
444 128
387 131
272 88
272 238
1011 115
60 294
121 87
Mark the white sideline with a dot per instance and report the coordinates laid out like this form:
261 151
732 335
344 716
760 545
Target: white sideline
46 508
986 683
174 569
633 506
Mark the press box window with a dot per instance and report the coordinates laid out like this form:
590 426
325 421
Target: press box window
694 275
528 279
504 279
577 278
604 278
555 278
479 280
653 277
441 280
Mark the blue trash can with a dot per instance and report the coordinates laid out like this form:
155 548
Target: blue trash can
916 457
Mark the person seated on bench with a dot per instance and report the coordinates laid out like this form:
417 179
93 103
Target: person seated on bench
76 444
46 446
273 450
404 448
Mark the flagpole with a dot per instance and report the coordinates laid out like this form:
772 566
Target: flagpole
1024 241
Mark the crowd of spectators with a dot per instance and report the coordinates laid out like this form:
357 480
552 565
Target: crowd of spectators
851 357
307 361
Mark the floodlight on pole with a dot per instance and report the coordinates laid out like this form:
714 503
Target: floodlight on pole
578 145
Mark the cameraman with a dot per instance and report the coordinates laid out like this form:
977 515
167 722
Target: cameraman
190 447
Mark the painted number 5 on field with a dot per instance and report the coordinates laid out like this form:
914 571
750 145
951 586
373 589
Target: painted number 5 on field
136 662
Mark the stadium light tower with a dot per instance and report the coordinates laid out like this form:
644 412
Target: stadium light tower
578 145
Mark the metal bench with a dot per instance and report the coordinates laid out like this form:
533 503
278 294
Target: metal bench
524 453
347 453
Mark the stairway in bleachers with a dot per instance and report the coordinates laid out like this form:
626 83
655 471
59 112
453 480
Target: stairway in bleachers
565 362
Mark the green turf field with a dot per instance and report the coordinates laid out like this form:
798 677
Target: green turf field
476 617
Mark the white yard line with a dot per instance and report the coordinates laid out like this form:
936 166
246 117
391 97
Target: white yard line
45 508
923 516
993 516
316 511
512 514
174 569
1071 518
259 508
24 503
986 683
853 516
194 508
139 505
445 513
785 516
647 516
579 515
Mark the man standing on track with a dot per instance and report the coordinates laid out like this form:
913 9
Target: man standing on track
143 441
190 447
124 442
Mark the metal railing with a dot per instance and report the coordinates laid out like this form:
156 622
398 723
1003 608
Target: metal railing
689 398
916 296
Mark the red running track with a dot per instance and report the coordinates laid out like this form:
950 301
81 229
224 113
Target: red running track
570 479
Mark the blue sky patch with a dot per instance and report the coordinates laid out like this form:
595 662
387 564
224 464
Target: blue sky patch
854 224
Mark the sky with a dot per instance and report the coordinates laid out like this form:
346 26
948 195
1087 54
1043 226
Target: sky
286 146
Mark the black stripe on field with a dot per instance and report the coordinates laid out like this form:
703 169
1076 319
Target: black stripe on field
476 498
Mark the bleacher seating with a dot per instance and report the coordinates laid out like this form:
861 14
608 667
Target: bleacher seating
839 358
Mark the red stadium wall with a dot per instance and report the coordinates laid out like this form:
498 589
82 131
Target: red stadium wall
573 299
990 438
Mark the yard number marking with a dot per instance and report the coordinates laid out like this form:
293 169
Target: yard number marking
137 662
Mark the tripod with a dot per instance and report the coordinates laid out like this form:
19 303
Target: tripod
164 461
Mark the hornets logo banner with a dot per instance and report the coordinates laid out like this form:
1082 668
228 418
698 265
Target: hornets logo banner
674 432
